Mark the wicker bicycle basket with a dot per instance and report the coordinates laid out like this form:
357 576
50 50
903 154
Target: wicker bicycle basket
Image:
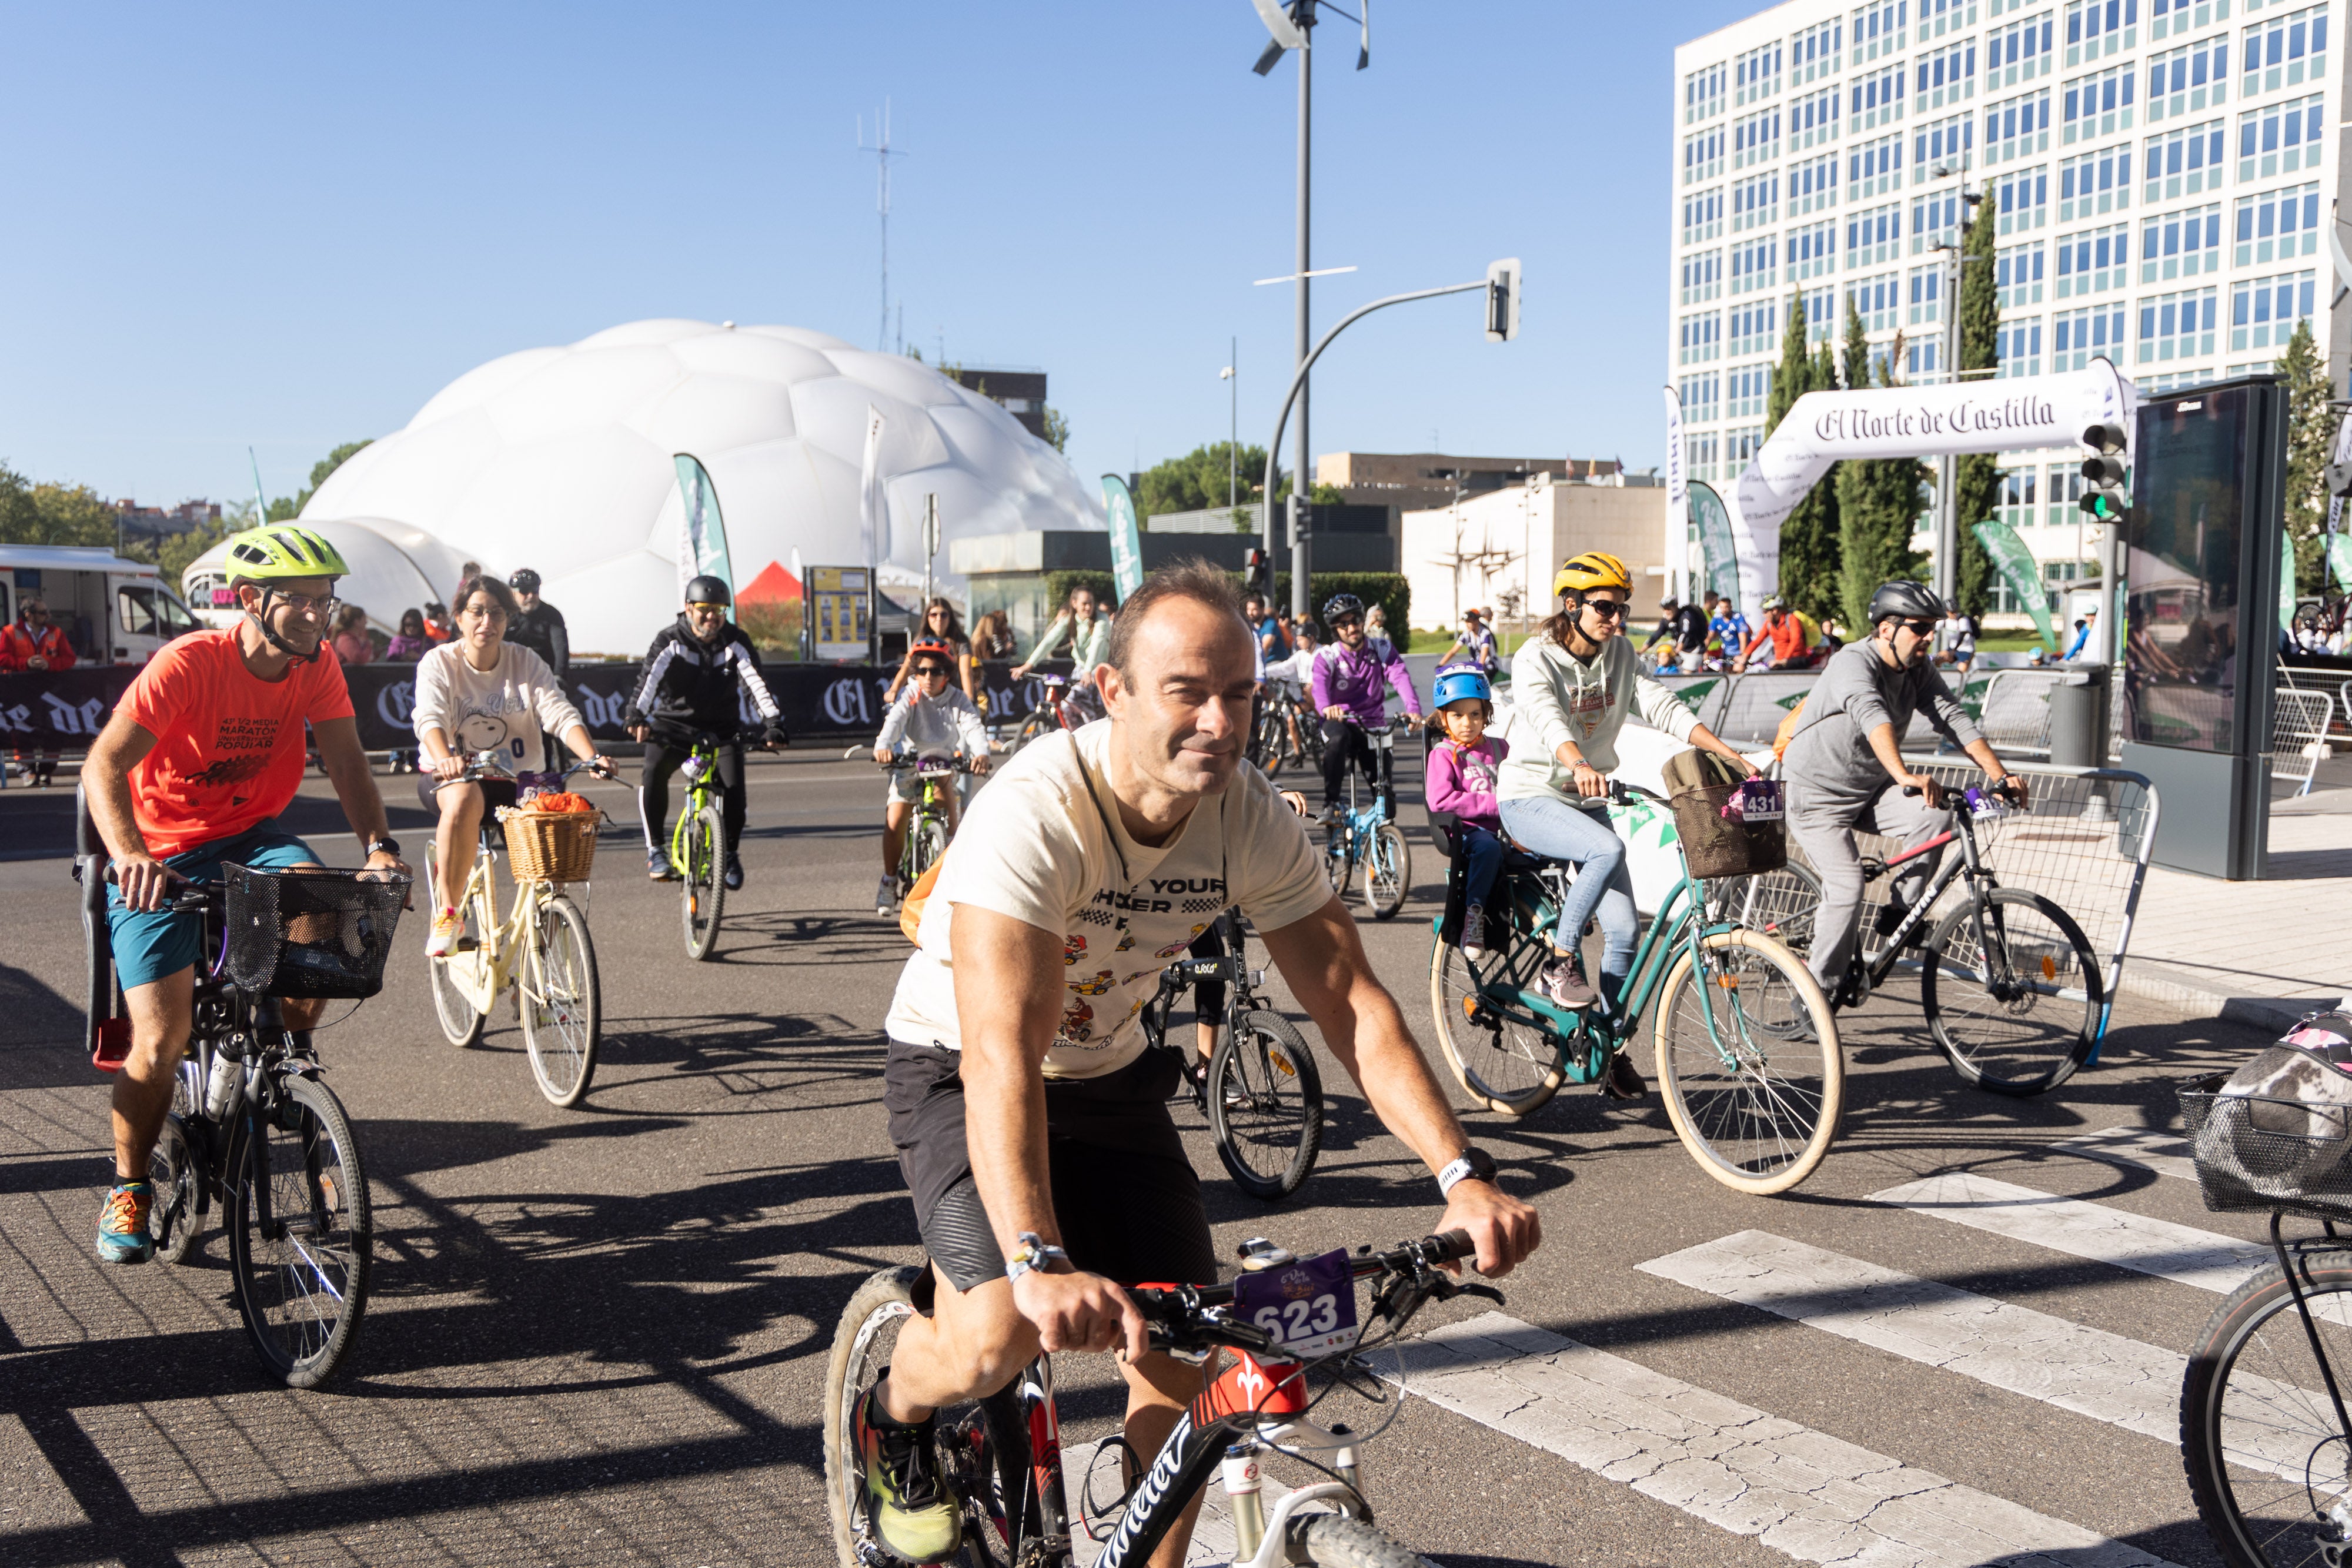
1717 845
308 934
2242 1165
550 846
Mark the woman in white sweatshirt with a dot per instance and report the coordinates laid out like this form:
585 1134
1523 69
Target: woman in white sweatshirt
479 692
1574 684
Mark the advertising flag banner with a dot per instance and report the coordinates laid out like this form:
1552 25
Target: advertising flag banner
1126 539
2339 556
2286 584
1678 497
1714 544
873 500
702 534
2016 563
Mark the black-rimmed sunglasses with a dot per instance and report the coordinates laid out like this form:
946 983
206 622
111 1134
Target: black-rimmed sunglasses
1607 609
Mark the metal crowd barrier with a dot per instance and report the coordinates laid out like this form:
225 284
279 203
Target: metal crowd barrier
2335 686
2011 707
2299 721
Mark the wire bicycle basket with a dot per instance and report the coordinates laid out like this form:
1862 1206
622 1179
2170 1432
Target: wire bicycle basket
321 933
2258 1151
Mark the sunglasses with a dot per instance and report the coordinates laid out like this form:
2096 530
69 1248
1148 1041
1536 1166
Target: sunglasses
1350 620
1607 609
713 608
1918 628
923 670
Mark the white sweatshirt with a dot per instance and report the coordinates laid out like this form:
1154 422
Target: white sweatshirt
503 708
935 726
1561 697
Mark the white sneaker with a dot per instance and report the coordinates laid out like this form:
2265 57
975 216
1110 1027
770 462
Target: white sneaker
886 897
448 927
1473 933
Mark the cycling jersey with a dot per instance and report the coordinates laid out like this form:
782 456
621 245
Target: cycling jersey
228 745
691 687
1352 678
1042 845
1786 636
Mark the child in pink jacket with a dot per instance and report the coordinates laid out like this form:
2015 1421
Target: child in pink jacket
1461 779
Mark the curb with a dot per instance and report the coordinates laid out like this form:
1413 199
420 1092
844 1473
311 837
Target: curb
2198 997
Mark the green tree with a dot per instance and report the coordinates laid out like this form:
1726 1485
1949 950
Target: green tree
68 515
1977 478
1879 501
1809 538
1058 429
2310 440
1198 480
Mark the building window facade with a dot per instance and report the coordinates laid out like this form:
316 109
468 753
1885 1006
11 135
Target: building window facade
1878 29
2023 200
2185 243
2183 163
1755 329
1755 265
2263 311
1936 220
2279 139
2096 29
1702 94
2017 275
2100 104
1814 118
2276 225
2284 51
1755 202
1756 139
1756 75
1874 168
2078 337
1878 302
1703 156
1812 251
1820 315
2174 19
1943 145
2094 184
1813 185
2017 53
2178 325
1937 18
1702 398
1702 338
1947 76
1702 277
1873 236
1816 52
2017 128
2094 261
1747 391
1877 99
1703 216
2189 78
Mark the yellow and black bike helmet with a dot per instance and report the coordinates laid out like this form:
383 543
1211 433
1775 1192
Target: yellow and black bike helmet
1594 568
276 552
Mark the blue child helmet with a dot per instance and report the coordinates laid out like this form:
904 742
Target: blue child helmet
1461 681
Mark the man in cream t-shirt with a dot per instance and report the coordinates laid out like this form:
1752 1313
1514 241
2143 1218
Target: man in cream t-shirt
1030 1120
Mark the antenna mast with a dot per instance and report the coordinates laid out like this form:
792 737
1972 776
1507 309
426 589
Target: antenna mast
883 152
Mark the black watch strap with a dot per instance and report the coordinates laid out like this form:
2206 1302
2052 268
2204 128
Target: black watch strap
385 844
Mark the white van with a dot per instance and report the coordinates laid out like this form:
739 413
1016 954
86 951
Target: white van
113 612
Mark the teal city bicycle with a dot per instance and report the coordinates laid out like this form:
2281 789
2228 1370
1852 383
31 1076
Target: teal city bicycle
1755 1101
1368 836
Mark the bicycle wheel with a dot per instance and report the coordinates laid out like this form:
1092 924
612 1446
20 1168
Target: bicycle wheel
1267 741
1040 721
1780 903
1342 1540
2266 1460
1755 1108
982 1458
927 843
564 1022
461 1025
1265 1105
300 1235
702 897
1504 1064
173 1217
2018 1013
1388 871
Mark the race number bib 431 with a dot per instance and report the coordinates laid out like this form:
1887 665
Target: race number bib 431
1307 1307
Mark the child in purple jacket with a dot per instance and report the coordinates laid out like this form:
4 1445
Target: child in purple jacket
1460 778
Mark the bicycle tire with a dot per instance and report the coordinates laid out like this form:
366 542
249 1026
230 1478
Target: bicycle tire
2018 1057
925 845
1265 1096
1509 1067
1763 1121
301 1295
2254 1457
1269 741
862 1342
461 1024
702 884
175 1216
1039 721
1343 1540
1388 871
564 1025
1780 903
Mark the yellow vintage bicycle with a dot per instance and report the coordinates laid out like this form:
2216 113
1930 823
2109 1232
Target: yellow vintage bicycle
541 951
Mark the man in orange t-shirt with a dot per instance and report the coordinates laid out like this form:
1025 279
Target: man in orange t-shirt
204 752
1784 632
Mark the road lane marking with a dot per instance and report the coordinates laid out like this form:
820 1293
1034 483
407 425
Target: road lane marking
2085 1370
2166 1153
1816 1498
2181 1253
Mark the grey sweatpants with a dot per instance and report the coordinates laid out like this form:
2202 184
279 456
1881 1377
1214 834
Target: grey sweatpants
1824 826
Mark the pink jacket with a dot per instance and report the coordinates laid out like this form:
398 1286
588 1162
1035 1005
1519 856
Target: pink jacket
1462 781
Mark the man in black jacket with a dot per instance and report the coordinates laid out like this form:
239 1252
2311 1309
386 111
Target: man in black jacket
540 627
696 674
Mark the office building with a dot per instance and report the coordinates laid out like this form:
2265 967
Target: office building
1019 389
2159 172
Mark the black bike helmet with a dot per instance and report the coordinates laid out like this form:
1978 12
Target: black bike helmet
1911 601
524 581
708 589
1340 606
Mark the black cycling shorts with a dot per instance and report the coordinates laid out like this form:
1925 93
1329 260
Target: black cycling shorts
1124 1191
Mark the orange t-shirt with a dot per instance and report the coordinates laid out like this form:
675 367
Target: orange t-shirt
228 745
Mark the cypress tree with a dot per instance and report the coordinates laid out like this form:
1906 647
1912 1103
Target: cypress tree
2310 440
1976 476
1879 502
1809 536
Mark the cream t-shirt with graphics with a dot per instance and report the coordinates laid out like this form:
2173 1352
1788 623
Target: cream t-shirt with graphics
1035 846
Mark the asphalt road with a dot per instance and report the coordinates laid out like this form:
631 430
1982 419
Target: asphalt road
599 1337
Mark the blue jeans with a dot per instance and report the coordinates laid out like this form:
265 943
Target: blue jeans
1559 831
1482 861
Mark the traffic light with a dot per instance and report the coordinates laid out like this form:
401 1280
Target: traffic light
2102 475
1257 574
1503 300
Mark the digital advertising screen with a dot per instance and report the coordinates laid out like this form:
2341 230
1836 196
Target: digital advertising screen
2181 569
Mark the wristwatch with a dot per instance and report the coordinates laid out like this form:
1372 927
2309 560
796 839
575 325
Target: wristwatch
1472 1162
386 845
1034 1253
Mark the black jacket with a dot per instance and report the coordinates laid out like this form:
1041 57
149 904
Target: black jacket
541 630
689 686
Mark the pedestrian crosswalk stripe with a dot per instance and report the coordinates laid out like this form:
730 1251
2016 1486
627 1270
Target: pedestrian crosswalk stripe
1816 1498
2074 1367
2181 1253
2166 1153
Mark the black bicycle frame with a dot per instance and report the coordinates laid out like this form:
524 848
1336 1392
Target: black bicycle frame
1969 864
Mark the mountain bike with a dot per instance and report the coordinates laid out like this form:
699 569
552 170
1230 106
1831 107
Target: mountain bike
1262 1091
1755 1106
2007 980
541 952
252 1126
2266 1437
927 830
1057 709
1286 1319
697 848
1285 728
1370 836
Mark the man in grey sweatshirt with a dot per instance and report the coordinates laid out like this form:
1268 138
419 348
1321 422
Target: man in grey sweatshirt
1845 768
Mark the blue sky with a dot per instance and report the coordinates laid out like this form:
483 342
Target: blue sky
286 226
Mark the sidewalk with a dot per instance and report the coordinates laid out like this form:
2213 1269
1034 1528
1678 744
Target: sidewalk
2264 953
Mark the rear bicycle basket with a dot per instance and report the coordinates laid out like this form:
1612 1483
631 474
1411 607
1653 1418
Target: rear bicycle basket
309 933
2259 1153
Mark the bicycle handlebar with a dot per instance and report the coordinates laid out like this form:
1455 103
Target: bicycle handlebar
1188 1317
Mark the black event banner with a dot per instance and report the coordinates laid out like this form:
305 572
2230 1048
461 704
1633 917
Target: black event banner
67 709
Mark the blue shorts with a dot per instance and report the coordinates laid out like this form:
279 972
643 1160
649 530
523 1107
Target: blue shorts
150 944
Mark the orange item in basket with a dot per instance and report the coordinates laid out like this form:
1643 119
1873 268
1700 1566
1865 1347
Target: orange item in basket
562 802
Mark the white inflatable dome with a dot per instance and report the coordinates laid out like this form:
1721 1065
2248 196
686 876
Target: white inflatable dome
560 460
